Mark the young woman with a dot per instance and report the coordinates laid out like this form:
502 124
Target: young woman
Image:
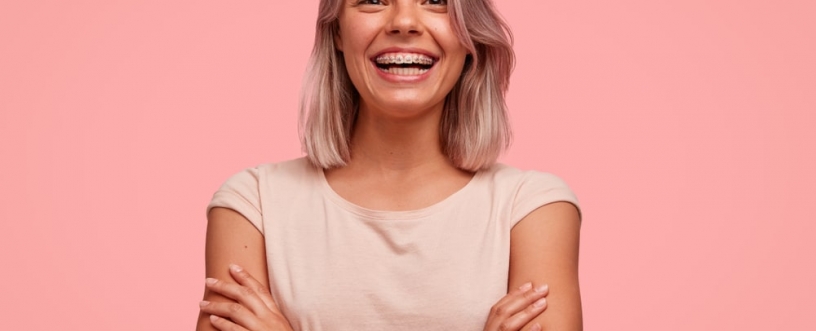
399 218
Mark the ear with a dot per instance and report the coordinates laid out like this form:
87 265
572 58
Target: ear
338 42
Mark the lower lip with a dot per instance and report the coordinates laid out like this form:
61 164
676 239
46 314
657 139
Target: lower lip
403 79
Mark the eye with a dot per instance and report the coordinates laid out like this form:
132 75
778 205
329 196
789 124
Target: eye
438 2
369 2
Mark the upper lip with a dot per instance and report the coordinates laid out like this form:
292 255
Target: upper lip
405 50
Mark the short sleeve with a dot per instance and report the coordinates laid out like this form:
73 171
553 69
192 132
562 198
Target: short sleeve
241 193
537 189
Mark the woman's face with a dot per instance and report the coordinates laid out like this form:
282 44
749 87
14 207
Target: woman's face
402 55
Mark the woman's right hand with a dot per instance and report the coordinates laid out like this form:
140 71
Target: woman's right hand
254 308
513 311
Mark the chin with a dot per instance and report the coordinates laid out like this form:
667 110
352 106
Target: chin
409 105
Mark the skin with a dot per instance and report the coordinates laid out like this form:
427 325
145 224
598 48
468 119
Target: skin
544 250
395 143
231 239
396 136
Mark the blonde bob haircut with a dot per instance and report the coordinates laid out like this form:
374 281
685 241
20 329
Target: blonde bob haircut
474 128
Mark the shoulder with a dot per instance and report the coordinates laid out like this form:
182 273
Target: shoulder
508 175
242 191
528 182
294 169
251 176
528 189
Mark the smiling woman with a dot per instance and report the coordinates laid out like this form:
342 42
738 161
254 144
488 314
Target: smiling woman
399 216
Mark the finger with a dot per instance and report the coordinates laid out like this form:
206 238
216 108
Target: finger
243 295
245 279
520 319
224 324
238 315
519 299
513 303
514 292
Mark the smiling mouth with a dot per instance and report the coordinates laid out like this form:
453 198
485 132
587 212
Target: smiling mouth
404 64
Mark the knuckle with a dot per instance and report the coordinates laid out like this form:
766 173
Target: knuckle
531 295
505 326
246 291
235 307
262 289
531 310
500 311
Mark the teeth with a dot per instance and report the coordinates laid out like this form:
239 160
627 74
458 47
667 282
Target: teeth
404 58
405 71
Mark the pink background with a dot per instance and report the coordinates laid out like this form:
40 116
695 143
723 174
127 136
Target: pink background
685 127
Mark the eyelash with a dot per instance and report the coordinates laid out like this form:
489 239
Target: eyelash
369 2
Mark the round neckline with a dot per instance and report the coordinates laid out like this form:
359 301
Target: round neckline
390 215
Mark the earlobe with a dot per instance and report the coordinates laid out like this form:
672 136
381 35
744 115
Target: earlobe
338 43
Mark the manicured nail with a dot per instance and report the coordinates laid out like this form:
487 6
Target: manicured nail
211 281
540 303
535 327
214 318
203 304
526 286
235 267
542 288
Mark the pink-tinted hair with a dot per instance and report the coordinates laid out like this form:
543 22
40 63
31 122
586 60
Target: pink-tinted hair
474 128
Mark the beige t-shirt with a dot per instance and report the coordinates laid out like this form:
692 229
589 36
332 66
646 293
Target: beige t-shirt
334 265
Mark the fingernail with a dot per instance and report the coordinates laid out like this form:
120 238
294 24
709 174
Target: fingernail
235 267
214 318
526 286
203 304
211 281
540 303
536 327
541 288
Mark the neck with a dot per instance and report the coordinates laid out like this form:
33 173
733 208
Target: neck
397 144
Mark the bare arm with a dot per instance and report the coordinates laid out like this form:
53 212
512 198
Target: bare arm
231 238
544 250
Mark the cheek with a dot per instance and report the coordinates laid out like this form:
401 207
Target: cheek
359 32
447 38
353 50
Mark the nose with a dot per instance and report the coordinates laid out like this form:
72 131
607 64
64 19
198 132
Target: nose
405 19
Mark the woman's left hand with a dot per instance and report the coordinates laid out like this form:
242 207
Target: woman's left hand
253 309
